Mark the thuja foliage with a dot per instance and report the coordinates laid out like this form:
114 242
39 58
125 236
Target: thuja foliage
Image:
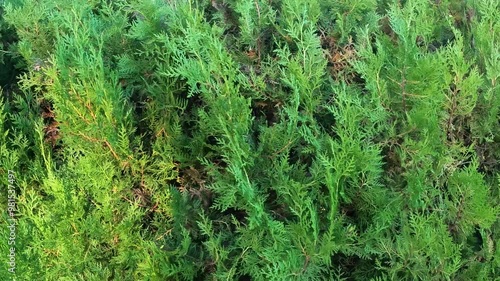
251 140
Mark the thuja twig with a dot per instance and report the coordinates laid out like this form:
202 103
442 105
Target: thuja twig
101 141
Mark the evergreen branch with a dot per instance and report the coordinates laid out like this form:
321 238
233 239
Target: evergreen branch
105 142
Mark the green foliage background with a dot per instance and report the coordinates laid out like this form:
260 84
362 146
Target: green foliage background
251 140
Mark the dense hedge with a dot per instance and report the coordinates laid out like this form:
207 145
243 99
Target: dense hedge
250 140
